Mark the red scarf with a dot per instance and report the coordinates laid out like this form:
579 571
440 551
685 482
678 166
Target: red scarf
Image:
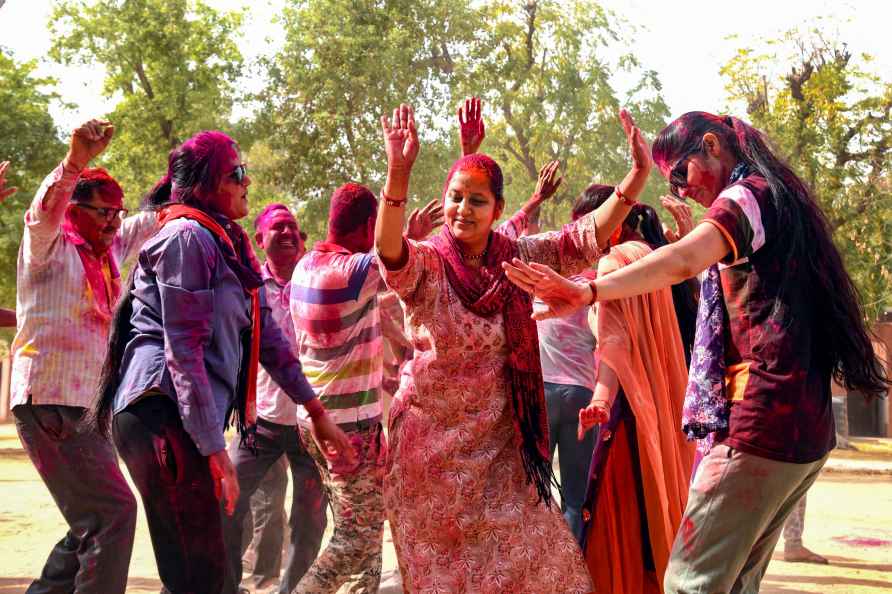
106 290
246 409
487 291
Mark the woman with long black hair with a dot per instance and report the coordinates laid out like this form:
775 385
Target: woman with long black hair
779 316
186 342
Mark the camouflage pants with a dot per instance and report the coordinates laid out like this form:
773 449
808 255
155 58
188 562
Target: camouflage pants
353 555
795 525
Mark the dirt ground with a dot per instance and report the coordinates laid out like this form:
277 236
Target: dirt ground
849 520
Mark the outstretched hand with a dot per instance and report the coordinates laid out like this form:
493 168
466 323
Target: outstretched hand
561 296
684 219
425 220
4 191
400 139
595 413
548 183
470 124
88 141
638 147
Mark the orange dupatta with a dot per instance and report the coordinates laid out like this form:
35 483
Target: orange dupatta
640 341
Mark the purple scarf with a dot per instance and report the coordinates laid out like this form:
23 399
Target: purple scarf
706 407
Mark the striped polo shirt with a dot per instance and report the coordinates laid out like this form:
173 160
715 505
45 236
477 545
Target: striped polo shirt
334 305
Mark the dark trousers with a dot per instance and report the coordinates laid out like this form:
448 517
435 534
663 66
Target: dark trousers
563 402
307 518
263 532
80 469
174 481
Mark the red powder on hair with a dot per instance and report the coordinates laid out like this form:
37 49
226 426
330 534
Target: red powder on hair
484 164
351 206
98 180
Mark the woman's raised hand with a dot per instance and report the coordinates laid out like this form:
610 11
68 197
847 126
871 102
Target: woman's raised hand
400 139
560 295
638 148
4 191
425 220
548 183
684 218
470 125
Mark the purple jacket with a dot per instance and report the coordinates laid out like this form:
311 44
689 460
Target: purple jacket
189 312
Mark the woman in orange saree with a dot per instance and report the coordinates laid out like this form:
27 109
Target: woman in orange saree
638 481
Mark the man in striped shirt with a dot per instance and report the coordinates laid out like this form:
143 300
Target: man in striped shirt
334 305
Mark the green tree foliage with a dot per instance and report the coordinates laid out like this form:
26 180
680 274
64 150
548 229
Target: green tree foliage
544 69
344 64
538 64
830 117
30 140
172 63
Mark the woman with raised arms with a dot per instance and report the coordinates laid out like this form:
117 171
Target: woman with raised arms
468 479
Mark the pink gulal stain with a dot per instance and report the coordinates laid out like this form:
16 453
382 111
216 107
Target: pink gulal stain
855 541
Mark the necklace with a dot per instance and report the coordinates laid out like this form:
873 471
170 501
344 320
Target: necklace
474 258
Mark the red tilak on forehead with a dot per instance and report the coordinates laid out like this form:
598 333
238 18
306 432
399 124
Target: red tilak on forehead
479 163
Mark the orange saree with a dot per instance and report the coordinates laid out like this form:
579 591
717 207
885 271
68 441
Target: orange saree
638 484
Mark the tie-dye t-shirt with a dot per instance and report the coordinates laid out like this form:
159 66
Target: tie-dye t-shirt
780 395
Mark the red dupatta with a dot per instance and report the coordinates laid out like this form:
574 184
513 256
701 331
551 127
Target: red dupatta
487 291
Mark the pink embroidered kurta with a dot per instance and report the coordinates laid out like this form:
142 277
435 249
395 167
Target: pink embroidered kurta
461 512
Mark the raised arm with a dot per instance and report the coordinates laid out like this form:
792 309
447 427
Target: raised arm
401 145
681 214
525 219
470 126
610 215
666 266
44 217
4 191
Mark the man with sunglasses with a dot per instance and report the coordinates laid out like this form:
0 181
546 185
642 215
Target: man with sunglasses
75 241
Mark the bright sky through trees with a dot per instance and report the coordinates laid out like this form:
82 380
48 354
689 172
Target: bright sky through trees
685 41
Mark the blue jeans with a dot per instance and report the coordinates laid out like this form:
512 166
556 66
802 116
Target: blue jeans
564 403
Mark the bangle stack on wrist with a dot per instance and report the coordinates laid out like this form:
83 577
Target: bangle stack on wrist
392 202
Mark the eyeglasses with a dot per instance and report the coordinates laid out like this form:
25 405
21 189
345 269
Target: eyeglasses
678 176
105 212
239 173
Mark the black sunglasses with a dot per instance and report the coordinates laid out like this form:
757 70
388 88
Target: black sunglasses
678 176
105 212
239 173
